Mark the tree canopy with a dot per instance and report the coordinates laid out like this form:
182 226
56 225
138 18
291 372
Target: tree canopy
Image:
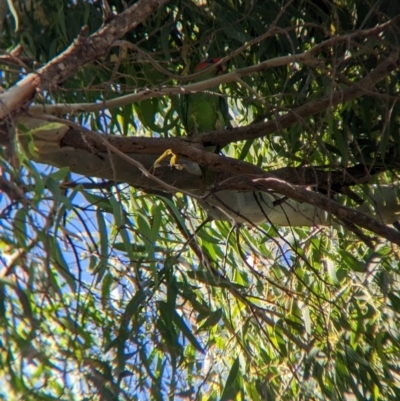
266 271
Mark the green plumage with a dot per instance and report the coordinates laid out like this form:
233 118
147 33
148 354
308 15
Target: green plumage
204 112
201 112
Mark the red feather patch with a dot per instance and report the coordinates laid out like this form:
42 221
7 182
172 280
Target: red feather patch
210 61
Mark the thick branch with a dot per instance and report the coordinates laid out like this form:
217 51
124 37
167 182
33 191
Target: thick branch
83 50
300 194
99 158
305 176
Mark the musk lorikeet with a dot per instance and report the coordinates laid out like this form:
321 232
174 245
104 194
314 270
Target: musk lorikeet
202 112
205 111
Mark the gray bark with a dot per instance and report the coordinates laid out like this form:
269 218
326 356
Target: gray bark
243 206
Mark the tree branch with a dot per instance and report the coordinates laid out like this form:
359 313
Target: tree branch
83 50
185 146
315 176
300 194
254 131
95 160
306 58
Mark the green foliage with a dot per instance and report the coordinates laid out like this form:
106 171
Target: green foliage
108 292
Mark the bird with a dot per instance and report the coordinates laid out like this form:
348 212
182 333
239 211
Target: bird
205 111
202 111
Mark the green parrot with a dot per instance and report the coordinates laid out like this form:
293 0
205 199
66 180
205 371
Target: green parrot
203 111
